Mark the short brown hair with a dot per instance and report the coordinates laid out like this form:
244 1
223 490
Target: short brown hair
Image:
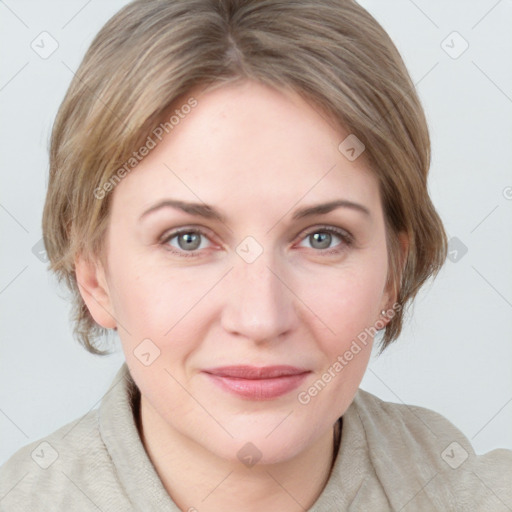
332 52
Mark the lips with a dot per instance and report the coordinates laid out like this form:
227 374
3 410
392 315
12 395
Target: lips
255 373
254 383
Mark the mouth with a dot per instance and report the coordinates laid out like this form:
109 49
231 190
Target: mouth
257 383
255 372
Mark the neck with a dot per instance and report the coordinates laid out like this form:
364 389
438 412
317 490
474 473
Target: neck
196 478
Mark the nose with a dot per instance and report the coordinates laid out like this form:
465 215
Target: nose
260 304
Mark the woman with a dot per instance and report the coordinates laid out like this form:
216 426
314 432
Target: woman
239 189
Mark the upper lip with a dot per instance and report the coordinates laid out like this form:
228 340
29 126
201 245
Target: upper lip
255 372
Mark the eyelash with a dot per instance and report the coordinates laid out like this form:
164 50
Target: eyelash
345 236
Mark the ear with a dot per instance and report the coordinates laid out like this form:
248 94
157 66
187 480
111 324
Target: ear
390 296
94 290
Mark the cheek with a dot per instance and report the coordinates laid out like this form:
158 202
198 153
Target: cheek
140 296
347 300
348 309
155 301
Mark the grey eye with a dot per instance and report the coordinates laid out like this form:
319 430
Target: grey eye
189 241
320 240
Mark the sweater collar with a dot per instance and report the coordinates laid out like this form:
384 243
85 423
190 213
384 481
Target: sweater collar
118 430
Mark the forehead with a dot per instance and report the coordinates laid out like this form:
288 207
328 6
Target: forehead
247 141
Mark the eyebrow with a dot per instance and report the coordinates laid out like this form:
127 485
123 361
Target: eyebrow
209 212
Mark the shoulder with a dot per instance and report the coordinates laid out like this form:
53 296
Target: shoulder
408 443
59 471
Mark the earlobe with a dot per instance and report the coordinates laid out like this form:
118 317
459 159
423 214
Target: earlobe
94 290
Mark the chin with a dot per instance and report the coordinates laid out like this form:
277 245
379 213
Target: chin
255 447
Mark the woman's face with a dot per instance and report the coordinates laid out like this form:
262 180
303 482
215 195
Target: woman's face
265 286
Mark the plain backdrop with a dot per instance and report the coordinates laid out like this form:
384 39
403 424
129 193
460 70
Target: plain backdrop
455 353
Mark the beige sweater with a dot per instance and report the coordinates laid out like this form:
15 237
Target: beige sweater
392 457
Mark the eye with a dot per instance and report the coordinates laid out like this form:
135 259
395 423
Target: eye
188 240
321 238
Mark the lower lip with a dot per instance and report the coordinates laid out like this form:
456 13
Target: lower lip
258 389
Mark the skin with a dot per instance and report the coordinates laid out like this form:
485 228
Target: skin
257 155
